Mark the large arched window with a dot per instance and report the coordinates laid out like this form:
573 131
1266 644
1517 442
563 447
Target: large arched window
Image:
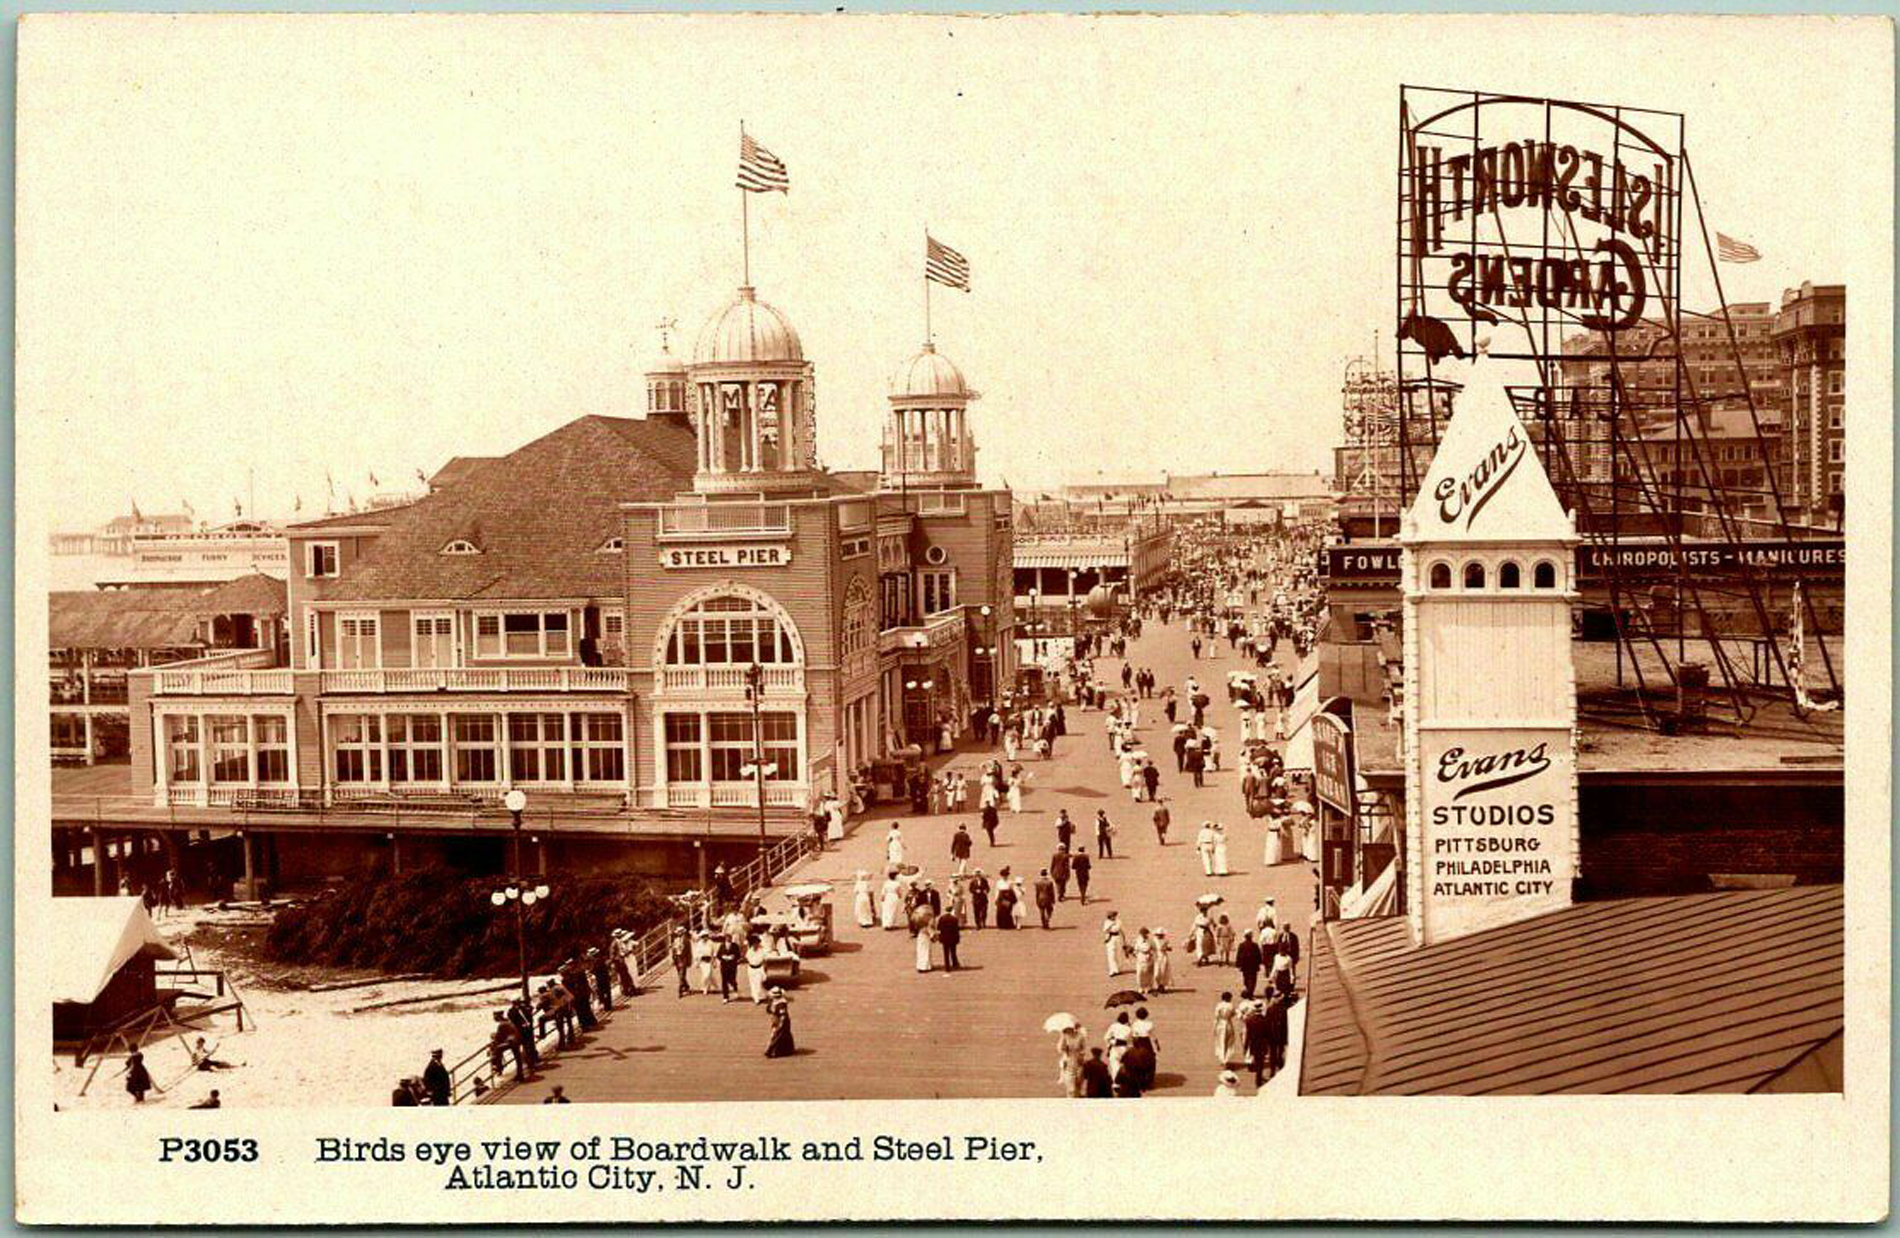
730 630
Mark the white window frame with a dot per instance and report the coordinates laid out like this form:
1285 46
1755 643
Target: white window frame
583 748
433 617
408 747
541 652
310 560
946 578
313 639
353 640
461 546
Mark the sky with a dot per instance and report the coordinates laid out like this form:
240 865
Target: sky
263 250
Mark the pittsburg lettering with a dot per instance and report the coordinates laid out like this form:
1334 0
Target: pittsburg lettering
1468 497
1629 204
1491 865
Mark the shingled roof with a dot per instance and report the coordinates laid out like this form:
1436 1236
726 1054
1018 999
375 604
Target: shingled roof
157 618
539 516
1733 991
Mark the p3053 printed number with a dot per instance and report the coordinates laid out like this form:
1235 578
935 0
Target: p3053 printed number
206 1151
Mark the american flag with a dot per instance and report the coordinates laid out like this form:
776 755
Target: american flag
944 265
1728 249
760 171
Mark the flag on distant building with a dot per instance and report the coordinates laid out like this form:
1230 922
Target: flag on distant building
373 481
944 265
135 510
760 171
422 477
237 508
1728 249
186 503
298 505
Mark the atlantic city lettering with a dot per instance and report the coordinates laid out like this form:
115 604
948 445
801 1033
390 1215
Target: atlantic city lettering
1624 205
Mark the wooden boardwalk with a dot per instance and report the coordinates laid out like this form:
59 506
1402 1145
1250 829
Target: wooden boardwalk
868 1025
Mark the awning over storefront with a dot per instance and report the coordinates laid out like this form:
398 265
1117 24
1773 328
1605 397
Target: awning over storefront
1732 991
1299 741
1064 560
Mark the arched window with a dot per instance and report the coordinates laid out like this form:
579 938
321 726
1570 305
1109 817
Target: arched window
1474 575
1441 576
612 546
1544 575
730 630
461 546
1510 576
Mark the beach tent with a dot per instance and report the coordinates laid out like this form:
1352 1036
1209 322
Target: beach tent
108 951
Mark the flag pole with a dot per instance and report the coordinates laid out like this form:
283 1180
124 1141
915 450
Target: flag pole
928 338
745 227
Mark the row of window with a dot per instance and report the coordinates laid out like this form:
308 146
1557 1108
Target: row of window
721 745
236 749
1510 575
478 748
498 635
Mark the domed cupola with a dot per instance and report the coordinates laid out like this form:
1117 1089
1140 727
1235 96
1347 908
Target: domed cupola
668 391
755 412
927 438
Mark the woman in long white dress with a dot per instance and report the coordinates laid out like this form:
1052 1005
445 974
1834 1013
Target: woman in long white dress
891 906
1016 792
921 933
1275 846
1144 961
861 901
1114 943
1220 850
1070 1048
1010 743
1226 1030
1164 962
894 847
1116 1038
834 820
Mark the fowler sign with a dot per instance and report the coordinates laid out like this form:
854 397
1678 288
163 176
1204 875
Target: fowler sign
1499 821
725 556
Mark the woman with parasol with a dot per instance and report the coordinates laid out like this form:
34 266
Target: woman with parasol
922 932
1140 1059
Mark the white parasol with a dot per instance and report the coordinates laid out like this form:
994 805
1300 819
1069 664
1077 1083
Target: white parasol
1061 1022
809 889
1208 900
1302 806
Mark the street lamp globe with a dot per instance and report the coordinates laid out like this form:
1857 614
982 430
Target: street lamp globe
515 800
498 898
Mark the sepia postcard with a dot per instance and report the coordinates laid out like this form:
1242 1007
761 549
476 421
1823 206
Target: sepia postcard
814 589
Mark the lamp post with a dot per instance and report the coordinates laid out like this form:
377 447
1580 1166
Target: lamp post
517 890
989 651
1035 622
755 692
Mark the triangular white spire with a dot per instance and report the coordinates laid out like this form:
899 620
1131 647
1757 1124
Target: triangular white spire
1485 483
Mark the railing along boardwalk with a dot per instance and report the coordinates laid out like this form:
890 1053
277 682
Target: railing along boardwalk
473 1077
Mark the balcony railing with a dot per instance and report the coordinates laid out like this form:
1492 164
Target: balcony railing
478 679
716 518
232 672
734 795
728 679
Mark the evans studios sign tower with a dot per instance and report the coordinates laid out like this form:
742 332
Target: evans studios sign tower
1490 687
